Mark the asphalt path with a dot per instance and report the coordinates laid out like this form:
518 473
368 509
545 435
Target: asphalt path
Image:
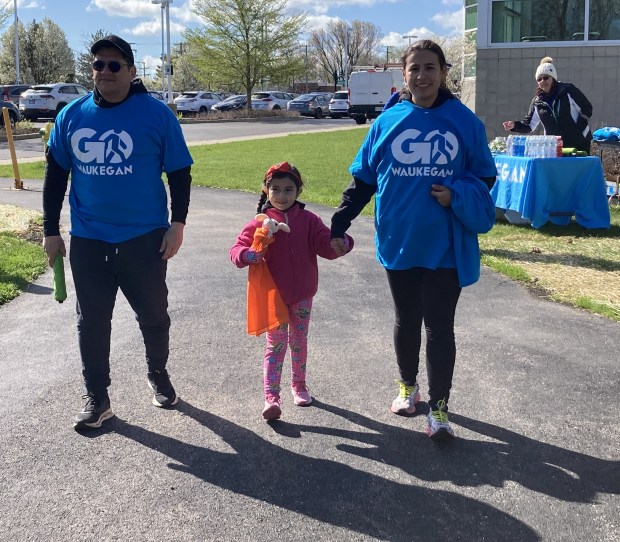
534 406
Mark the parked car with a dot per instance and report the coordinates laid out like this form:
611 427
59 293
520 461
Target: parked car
339 104
198 101
14 114
11 93
157 95
48 100
314 104
232 103
268 100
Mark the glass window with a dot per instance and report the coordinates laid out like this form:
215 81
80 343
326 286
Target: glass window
604 20
537 20
471 17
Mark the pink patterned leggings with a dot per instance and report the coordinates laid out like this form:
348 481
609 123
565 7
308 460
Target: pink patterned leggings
295 335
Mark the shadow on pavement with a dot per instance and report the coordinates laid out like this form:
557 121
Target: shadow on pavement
541 467
329 491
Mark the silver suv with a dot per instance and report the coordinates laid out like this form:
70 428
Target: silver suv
196 102
271 99
48 100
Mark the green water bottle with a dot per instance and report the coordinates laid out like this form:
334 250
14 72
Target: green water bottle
60 286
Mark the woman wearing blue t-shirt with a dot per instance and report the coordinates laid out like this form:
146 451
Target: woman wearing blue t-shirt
426 160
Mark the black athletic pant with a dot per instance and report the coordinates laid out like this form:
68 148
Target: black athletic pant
99 270
429 296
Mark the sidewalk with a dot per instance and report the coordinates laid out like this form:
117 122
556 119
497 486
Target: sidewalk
535 408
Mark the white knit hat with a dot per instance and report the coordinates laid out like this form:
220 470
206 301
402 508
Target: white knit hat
546 67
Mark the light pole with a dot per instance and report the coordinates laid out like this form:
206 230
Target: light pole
306 67
165 4
163 87
409 36
16 44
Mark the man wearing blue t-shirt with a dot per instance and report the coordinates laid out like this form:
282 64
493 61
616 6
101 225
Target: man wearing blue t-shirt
116 143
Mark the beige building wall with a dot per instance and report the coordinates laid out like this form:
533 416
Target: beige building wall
505 83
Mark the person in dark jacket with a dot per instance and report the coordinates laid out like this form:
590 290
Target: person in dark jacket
561 108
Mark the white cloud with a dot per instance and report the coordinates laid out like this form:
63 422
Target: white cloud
145 28
29 4
395 39
125 8
450 20
151 62
316 22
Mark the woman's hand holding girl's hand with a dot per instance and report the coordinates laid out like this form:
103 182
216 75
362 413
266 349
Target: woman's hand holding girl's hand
508 125
442 194
340 246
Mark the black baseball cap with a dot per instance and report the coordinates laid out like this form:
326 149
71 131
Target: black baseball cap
114 42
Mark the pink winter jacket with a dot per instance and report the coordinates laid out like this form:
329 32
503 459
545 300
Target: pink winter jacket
292 257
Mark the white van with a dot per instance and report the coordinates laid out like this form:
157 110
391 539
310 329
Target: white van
370 89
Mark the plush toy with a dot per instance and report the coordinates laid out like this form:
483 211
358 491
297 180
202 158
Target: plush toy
266 310
264 235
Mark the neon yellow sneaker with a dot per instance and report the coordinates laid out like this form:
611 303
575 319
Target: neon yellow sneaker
438 428
408 396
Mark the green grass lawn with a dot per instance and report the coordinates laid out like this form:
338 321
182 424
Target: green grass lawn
20 263
322 158
567 264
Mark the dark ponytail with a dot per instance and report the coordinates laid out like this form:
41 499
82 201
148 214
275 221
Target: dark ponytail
261 202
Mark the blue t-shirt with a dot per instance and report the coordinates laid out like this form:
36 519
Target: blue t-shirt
116 156
407 149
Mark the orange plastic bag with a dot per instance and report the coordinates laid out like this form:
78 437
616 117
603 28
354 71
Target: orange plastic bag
266 310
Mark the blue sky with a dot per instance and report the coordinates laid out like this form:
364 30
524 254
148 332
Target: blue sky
139 21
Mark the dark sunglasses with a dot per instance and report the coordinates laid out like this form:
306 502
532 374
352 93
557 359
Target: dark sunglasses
113 65
542 78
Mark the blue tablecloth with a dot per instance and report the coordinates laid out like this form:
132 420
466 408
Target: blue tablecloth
553 189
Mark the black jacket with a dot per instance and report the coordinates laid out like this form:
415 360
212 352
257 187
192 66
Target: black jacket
566 114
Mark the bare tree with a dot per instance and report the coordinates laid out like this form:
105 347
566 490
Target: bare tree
339 47
244 42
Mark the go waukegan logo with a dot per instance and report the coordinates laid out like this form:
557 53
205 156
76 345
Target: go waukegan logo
424 155
104 154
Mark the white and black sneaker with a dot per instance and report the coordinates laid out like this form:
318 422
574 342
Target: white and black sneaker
95 412
164 394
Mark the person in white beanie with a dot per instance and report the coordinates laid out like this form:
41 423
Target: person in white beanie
561 108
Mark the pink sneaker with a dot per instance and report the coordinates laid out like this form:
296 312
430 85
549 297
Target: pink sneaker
301 395
272 410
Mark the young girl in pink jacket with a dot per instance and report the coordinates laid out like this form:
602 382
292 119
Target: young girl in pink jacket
292 262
